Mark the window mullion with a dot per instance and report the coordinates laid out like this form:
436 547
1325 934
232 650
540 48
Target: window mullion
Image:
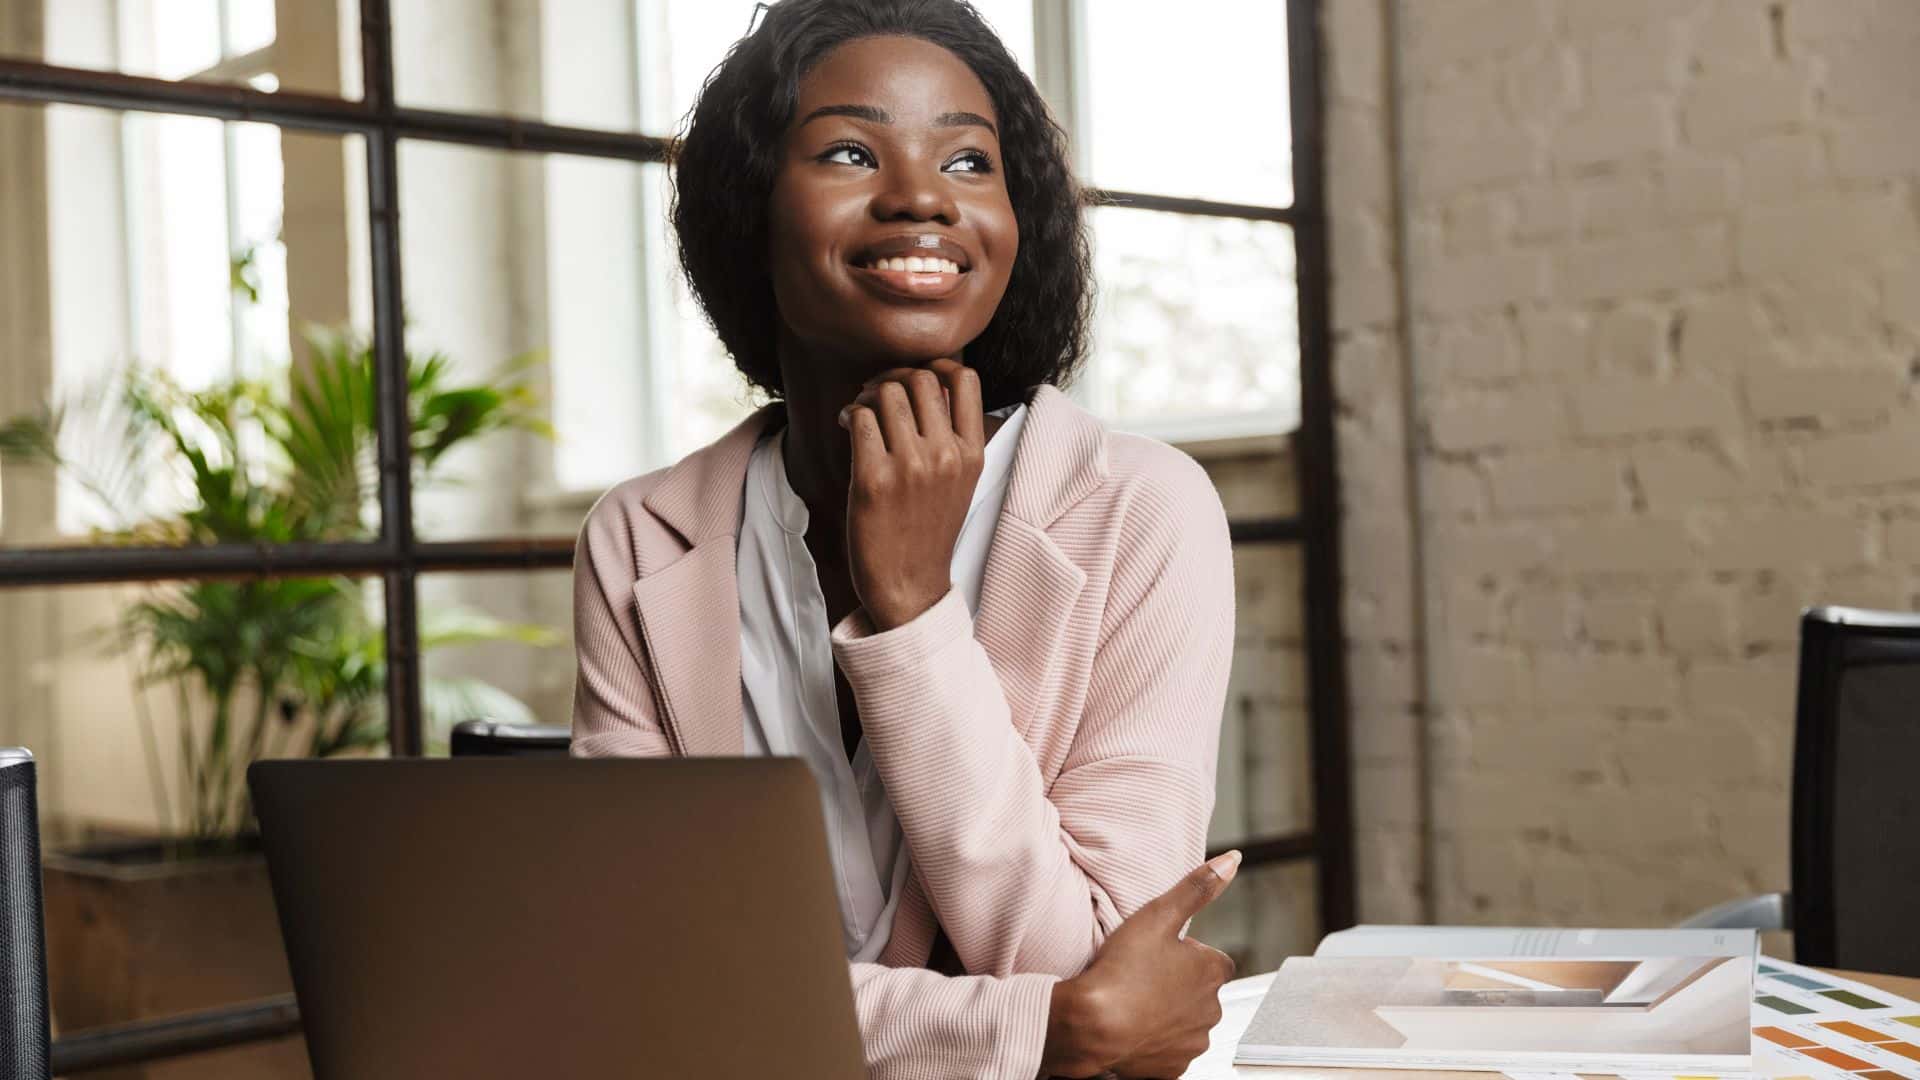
1059 70
1059 62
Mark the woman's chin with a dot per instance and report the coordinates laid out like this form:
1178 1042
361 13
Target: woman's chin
874 357
916 342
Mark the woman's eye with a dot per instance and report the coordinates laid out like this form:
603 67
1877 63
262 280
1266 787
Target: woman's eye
971 161
849 155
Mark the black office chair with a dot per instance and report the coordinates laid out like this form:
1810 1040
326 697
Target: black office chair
491 738
23 945
1856 798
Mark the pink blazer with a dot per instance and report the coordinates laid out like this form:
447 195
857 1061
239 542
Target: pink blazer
1051 760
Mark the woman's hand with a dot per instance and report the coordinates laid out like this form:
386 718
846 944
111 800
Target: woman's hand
1146 1004
917 447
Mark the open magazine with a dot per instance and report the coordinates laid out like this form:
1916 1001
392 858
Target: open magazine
1483 998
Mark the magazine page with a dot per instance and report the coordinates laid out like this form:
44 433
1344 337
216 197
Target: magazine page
1490 1010
1501 942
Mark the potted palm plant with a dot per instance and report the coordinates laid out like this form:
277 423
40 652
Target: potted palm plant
256 668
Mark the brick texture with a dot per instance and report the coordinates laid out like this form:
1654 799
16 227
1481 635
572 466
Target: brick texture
1665 334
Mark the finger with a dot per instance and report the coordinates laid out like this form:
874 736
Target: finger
889 403
928 396
864 429
1222 964
963 399
929 404
1202 885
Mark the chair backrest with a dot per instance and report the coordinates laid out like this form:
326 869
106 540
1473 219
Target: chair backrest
1856 791
23 945
491 738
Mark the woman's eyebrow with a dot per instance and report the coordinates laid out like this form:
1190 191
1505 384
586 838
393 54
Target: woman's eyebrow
858 112
965 119
875 115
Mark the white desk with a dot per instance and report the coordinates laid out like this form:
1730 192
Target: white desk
1239 998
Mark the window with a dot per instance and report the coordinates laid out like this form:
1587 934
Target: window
193 216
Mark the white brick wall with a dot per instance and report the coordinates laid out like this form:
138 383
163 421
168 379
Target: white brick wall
1665 277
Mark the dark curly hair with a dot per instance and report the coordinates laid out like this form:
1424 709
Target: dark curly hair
728 155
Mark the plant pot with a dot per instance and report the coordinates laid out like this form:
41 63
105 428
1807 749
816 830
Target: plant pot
138 931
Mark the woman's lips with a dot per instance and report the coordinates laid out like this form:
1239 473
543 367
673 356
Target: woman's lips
909 284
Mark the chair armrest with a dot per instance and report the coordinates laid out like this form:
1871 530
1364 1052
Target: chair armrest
1766 911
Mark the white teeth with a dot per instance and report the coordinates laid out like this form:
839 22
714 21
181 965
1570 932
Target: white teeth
915 264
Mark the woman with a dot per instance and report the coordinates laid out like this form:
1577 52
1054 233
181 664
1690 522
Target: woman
1014 715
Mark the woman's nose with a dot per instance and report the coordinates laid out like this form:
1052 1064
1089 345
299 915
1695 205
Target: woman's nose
914 196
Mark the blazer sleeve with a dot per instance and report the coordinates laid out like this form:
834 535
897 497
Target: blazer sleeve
914 1024
920 1025
1030 876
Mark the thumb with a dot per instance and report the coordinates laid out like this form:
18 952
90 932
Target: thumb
1202 886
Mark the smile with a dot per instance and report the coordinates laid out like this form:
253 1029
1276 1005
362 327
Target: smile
911 278
912 266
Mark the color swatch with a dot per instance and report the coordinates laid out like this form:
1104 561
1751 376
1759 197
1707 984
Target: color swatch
1905 1050
1857 1031
1782 1005
1836 1059
1784 1038
1803 982
1848 997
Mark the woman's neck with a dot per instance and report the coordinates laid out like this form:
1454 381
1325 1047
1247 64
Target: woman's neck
818 451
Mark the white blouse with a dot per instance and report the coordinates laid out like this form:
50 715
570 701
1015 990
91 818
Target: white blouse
786 673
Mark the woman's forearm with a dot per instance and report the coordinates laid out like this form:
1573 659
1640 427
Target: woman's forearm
1028 876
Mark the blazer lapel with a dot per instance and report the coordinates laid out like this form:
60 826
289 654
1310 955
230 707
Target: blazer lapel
1027 595
690 625
1029 587
690 608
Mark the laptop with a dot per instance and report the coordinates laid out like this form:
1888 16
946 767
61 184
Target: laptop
503 917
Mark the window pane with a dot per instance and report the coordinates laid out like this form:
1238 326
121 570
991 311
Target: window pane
315 49
1195 105
1012 20
131 766
1196 333
173 288
249 25
570 62
552 279
681 42
1263 787
1270 913
495 646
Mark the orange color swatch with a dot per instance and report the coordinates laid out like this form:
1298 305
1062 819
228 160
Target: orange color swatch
1784 1038
1837 1059
1905 1050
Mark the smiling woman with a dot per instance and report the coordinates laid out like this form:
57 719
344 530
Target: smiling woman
997 633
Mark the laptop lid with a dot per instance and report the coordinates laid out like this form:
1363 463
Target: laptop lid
515 918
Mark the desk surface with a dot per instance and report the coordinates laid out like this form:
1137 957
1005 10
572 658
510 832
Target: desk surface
1241 997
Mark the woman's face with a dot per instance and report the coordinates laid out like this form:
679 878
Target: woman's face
892 236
